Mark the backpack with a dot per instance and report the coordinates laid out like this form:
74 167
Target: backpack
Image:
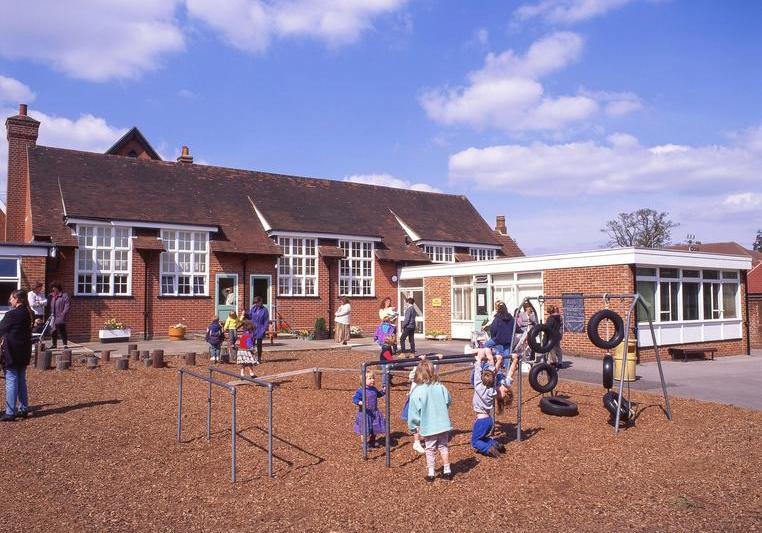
214 335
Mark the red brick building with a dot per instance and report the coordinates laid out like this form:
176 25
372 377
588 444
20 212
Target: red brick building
696 299
152 243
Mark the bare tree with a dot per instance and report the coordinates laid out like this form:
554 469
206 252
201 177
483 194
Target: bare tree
758 241
645 228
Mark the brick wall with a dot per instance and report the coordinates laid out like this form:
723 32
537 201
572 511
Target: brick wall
755 320
437 318
22 133
32 271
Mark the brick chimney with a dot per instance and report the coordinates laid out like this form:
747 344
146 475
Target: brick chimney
22 134
185 156
500 225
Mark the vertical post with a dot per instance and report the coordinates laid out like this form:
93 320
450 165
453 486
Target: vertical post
270 430
362 411
388 416
179 404
626 348
658 358
518 407
209 409
233 435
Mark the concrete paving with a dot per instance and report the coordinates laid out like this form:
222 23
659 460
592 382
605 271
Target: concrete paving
735 380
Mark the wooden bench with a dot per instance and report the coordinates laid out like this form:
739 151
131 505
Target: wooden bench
690 352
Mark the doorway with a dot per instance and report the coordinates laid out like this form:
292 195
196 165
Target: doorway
417 295
226 299
261 285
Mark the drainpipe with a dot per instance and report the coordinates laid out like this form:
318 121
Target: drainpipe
745 279
145 296
330 298
634 271
243 282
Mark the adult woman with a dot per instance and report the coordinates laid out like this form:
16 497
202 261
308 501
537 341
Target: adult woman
37 301
488 324
386 312
342 318
527 318
60 303
260 318
16 331
555 356
229 296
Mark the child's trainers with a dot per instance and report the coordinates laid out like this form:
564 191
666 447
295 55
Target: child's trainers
493 452
417 447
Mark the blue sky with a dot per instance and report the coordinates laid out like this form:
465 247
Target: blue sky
556 113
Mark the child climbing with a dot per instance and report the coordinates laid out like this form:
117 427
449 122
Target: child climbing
376 424
484 400
388 350
245 356
429 412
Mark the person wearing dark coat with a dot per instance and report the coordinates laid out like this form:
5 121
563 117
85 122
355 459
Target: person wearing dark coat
60 302
16 352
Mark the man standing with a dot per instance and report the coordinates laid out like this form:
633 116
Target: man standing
408 326
260 317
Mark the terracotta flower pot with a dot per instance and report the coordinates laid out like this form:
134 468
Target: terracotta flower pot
176 334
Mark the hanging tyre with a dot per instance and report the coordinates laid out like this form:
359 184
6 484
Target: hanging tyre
543 386
548 341
626 412
557 406
608 371
595 322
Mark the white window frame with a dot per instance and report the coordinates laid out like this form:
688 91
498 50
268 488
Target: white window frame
464 286
357 255
94 250
482 254
4 306
440 253
172 239
291 261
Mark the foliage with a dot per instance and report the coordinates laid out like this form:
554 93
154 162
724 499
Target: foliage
355 331
113 323
320 324
180 325
645 228
435 333
757 246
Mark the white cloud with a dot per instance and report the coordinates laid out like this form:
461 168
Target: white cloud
566 11
506 92
619 165
13 91
387 180
96 41
251 25
743 203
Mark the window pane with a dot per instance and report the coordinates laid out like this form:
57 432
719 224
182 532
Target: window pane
647 289
8 268
103 260
85 284
120 284
167 284
199 262
730 275
184 261
183 285
199 285
711 274
690 301
102 284
691 273
309 286
668 272
729 292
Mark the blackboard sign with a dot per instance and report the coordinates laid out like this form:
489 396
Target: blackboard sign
574 312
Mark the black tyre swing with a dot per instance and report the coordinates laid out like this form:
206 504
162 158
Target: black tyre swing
611 403
608 371
595 321
557 406
545 332
534 377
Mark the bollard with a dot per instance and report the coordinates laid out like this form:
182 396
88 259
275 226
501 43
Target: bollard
122 363
106 356
35 354
62 364
43 362
158 358
131 347
318 377
148 362
66 354
134 355
92 362
144 354
190 358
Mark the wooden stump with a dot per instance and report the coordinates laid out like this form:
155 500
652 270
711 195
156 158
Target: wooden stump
318 378
106 356
92 362
144 354
158 358
131 347
134 355
122 363
43 362
190 358
35 353
225 355
66 354
63 364
148 362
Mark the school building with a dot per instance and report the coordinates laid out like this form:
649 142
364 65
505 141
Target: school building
153 243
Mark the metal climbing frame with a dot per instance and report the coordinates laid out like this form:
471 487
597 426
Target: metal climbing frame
231 388
635 300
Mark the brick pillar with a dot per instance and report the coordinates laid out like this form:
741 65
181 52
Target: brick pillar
22 134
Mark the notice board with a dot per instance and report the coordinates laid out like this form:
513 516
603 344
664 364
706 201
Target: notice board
574 312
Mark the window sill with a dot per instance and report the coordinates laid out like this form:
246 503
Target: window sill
111 296
183 297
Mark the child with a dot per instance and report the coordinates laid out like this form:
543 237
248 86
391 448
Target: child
405 408
214 336
38 326
232 323
484 400
428 411
245 356
376 424
388 350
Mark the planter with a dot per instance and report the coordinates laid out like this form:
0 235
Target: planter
320 335
114 335
176 334
441 337
431 337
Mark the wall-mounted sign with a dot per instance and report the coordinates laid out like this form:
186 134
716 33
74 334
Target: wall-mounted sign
574 312
436 302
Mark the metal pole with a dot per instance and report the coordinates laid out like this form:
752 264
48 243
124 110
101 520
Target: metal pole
625 349
179 404
658 359
518 408
362 411
270 431
388 416
233 392
209 410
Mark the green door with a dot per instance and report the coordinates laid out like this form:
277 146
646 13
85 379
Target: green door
261 285
226 299
482 305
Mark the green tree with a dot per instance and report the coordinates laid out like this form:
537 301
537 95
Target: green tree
644 228
758 241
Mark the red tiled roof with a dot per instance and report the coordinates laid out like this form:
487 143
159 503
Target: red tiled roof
145 242
510 247
754 280
730 248
330 251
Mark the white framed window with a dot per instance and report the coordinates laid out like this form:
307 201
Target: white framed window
462 299
103 261
10 280
297 267
356 271
439 254
185 263
482 254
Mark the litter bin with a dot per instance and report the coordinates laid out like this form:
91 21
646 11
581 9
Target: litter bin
629 371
